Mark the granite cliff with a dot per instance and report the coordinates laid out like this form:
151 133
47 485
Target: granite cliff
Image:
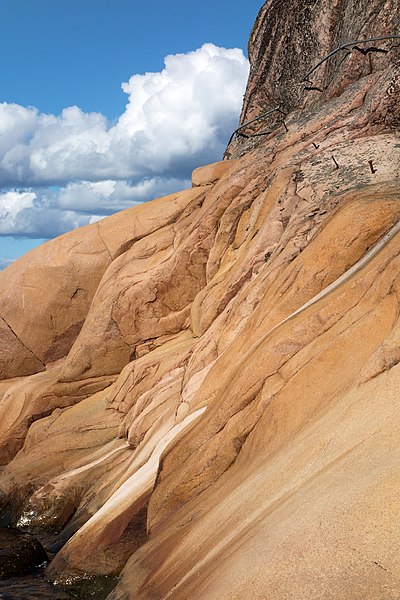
201 393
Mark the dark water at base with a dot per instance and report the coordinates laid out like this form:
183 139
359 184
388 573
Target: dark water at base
32 587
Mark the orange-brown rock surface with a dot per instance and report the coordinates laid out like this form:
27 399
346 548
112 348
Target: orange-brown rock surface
201 393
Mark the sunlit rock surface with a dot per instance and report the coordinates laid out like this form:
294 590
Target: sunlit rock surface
221 421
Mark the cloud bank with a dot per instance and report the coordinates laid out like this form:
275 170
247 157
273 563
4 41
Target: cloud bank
61 172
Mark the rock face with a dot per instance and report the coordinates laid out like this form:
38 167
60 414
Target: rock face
224 424
45 296
285 45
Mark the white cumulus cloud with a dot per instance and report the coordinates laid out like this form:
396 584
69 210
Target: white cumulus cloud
103 196
184 113
58 172
36 214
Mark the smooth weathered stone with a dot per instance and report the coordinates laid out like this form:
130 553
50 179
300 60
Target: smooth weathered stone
210 174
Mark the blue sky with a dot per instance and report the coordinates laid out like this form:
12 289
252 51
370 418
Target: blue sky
62 167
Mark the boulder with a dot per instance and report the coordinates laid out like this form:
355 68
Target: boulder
210 174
